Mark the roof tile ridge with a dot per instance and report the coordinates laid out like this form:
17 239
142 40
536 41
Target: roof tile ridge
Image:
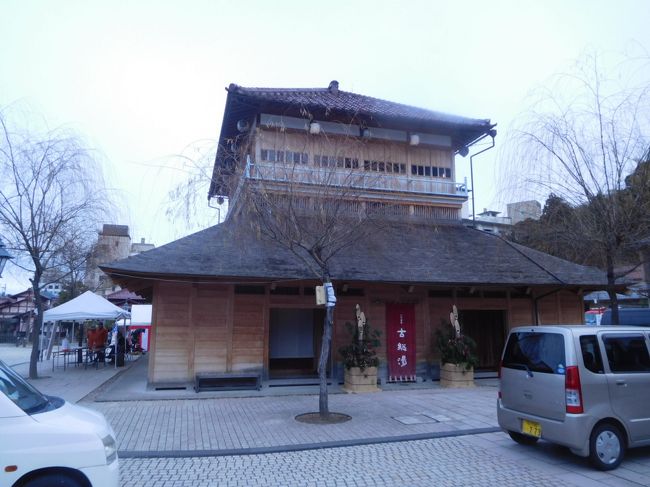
281 89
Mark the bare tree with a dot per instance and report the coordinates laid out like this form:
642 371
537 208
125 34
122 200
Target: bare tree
72 264
51 197
584 136
314 210
68 264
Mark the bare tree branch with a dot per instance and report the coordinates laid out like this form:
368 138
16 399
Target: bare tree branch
52 198
584 144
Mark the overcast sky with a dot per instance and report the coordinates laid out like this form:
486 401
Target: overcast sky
141 80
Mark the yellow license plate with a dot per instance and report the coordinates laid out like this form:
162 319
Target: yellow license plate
531 428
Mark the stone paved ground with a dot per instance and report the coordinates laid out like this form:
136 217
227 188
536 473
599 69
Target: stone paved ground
476 460
443 462
72 384
217 424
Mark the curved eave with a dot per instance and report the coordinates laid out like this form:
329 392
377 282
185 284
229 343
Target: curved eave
121 275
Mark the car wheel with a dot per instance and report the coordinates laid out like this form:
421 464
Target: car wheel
606 447
53 480
523 439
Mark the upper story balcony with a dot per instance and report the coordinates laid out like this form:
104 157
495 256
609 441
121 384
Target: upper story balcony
367 180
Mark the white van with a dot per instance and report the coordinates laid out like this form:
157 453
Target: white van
583 387
46 441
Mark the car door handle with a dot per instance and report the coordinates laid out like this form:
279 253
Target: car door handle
621 383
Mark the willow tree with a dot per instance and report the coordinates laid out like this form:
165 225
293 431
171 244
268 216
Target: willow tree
51 197
583 137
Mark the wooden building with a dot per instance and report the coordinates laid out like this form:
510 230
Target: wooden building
228 300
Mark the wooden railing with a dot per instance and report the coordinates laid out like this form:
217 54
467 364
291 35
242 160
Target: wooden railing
354 179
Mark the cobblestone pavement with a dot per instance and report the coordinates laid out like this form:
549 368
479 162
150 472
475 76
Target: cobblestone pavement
443 462
478 460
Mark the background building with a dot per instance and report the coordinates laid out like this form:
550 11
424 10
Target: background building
113 243
522 210
490 221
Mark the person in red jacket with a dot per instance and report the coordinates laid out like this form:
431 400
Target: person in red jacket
91 337
100 338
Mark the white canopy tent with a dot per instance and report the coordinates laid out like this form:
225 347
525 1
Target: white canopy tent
88 306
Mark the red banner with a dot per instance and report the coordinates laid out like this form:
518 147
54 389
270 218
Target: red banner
400 331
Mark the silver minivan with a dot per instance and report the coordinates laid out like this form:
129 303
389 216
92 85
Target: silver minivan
582 387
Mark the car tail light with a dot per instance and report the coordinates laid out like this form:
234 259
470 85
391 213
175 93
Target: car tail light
573 390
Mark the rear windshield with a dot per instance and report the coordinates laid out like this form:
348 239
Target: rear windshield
535 352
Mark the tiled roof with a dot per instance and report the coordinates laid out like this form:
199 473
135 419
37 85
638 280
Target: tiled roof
402 253
351 103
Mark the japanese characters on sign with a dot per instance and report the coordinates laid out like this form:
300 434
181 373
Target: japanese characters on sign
400 326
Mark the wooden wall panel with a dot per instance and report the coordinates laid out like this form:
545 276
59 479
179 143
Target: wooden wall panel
174 342
425 327
299 301
248 340
572 308
172 355
561 308
479 303
207 328
548 310
210 329
520 312
210 352
422 338
376 151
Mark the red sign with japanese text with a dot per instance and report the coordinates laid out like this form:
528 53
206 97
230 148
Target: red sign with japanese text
400 341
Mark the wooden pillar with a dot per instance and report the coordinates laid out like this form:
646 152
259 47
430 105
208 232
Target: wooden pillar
153 332
230 326
266 318
191 332
426 326
508 311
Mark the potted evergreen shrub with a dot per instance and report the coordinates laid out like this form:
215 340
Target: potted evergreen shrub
360 358
457 354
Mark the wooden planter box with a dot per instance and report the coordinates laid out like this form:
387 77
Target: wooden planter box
358 381
452 375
